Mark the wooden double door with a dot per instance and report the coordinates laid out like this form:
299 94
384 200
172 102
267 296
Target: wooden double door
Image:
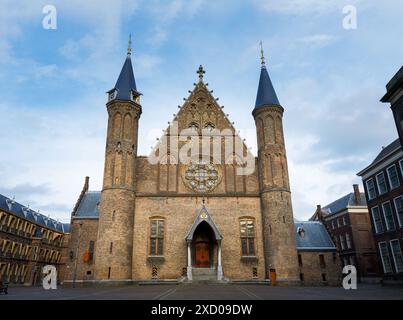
202 254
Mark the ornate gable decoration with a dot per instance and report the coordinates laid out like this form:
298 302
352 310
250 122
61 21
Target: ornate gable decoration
200 126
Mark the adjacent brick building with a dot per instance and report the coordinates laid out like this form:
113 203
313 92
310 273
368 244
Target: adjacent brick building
29 241
317 255
383 182
172 220
348 222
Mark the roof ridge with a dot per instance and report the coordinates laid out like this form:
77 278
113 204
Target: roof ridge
34 214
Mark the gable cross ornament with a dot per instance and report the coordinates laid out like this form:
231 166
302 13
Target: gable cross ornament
200 72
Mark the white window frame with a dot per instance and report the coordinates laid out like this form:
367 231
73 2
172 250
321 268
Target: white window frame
390 181
338 223
344 221
377 183
342 243
391 214
397 213
393 255
369 194
377 231
333 225
401 167
381 255
348 241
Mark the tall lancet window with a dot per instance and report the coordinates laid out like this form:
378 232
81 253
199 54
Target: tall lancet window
247 229
156 237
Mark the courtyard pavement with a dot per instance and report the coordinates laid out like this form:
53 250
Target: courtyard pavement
206 292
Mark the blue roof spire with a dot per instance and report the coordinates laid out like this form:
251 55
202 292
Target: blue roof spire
266 95
126 83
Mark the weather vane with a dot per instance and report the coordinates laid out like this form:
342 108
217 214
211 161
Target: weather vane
262 53
129 47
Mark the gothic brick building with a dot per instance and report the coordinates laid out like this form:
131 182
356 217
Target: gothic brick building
170 219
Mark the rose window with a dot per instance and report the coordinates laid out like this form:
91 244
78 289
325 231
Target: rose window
201 177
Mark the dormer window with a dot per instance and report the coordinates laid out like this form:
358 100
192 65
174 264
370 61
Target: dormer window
134 96
112 95
301 232
10 203
25 211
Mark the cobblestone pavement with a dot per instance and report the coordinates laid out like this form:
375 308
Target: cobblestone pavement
206 292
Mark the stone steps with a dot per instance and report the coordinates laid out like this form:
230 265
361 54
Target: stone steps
204 274
204 271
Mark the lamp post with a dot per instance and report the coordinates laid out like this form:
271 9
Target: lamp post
75 262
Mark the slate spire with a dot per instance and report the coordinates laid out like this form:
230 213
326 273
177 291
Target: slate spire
266 95
126 83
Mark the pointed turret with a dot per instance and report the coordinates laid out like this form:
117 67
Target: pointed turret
125 87
266 95
113 259
275 196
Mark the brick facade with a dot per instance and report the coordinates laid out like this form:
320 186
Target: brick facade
146 210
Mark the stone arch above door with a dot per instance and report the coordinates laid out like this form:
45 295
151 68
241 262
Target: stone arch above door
204 216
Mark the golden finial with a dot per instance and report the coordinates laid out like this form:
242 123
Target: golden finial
129 47
262 53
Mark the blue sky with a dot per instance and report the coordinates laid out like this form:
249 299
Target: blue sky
328 79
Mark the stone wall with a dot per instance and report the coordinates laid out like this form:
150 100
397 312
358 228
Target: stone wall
79 243
312 272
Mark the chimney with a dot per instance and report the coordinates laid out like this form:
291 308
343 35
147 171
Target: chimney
319 213
86 183
357 194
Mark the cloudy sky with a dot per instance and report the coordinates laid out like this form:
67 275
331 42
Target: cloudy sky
328 79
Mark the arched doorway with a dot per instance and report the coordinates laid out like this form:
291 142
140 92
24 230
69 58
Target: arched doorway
203 246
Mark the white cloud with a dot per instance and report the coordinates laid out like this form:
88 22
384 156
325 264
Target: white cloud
164 13
146 64
47 153
318 40
301 7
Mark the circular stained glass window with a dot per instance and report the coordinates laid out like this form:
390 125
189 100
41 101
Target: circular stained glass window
201 177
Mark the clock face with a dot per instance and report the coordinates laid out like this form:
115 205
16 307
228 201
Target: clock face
201 176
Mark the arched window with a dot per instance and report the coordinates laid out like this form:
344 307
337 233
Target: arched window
193 126
209 127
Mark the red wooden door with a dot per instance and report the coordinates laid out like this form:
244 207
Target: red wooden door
202 255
